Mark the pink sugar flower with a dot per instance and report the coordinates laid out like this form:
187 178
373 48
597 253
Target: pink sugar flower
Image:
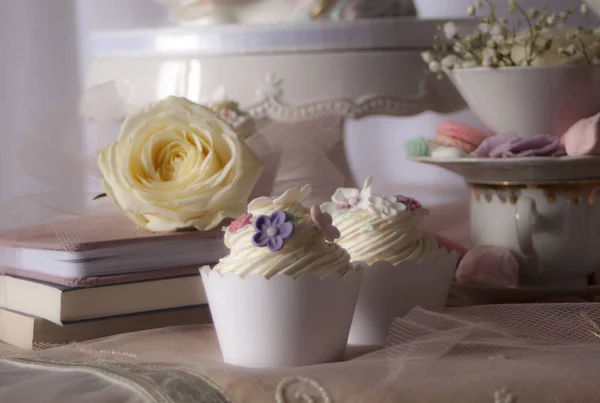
324 222
240 223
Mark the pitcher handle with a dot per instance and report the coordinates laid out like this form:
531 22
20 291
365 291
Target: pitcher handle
524 218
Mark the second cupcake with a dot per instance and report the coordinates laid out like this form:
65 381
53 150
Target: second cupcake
286 293
406 267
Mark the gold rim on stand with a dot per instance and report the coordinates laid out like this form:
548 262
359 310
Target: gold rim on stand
573 192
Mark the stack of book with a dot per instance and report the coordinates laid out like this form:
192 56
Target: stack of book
86 278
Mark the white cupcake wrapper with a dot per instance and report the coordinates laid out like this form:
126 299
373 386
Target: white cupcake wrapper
282 322
389 291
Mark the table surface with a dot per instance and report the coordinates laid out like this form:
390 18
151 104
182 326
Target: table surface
466 355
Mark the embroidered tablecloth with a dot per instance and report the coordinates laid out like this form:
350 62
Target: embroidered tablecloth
496 354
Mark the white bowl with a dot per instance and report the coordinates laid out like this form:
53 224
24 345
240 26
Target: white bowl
442 9
530 100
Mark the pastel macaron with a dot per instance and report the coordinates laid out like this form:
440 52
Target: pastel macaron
583 138
459 135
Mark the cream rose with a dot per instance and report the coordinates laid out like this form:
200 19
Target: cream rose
177 165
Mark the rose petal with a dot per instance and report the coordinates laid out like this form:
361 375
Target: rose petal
286 230
275 243
262 223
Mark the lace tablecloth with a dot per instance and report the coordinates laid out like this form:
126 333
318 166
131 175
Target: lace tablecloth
496 354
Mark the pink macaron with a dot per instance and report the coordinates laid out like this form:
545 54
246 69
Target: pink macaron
459 135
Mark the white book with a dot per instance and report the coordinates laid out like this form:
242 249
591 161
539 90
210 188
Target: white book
61 304
26 331
101 246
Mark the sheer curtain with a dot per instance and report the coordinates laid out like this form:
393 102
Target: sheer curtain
38 68
43 58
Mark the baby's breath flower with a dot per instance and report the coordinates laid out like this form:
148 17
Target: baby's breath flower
450 30
484 28
494 40
450 61
551 19
435 66
458 47
490 53
427 56
487 62
583 8
497 30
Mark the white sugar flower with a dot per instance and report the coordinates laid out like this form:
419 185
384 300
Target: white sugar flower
551 19
533 13
289 197
435 66
471 10
427 56
348 198
584 9
596 60
386 206
450 30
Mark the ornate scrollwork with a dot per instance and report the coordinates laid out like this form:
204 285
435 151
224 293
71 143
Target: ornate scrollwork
301 390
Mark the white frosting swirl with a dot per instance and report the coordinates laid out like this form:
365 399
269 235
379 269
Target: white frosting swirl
305 252
372 233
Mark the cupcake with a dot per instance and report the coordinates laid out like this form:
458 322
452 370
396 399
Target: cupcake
286 293
405 266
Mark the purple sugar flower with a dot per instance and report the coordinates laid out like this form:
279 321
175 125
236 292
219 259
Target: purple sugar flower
272 231
510 145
